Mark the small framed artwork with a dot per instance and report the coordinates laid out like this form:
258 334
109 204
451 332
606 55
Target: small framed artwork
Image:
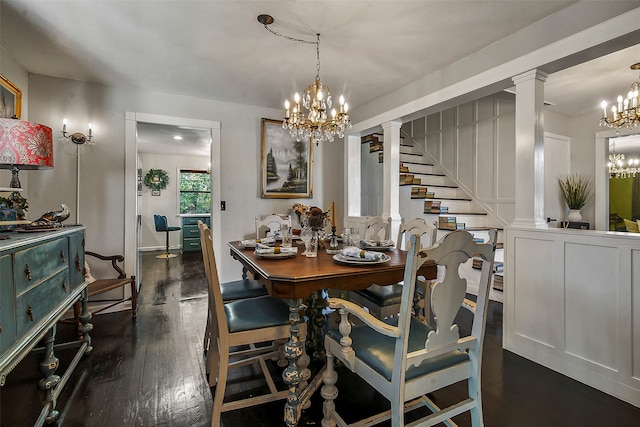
287 165
155 192
10 99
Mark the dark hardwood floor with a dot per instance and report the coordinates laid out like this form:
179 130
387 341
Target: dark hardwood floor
149 372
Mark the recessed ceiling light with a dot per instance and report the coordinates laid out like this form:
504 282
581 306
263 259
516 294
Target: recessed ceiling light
178 137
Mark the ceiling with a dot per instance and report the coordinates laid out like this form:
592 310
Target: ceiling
218 50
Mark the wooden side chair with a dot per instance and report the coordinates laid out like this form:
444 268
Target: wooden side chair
384 301
407 359
271 224
236 325
102 285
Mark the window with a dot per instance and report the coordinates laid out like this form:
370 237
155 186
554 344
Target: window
195 192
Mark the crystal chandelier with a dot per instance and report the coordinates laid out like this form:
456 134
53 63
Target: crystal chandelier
617 169
626 112
320 122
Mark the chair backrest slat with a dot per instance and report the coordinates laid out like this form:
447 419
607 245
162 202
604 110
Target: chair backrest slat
216 307
377 228
419 227
270 224
447 295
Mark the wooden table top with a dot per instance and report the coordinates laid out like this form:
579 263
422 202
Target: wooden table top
298 276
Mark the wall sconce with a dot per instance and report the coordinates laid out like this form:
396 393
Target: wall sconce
77 138
24 145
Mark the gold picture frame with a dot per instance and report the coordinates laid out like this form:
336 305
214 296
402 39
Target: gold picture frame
287 165
10 99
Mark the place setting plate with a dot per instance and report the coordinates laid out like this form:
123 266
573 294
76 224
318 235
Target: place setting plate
341 259
377 248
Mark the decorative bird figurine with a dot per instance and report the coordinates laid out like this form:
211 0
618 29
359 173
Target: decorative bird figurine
55 216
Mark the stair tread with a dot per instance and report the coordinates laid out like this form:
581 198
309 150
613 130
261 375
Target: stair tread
455 199
431 185
423 173
451 213
416 163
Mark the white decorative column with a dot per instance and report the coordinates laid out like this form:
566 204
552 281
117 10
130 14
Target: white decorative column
529 209
352 174
391 181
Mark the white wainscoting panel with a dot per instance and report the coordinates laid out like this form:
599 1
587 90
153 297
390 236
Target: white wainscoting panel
591 303
533 302
572 304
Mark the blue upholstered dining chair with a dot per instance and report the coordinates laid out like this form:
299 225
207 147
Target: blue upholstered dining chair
162 226
405 359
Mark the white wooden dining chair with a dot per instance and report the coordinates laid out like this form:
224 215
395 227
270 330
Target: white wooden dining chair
384 301
406 359
270 224
377 228
236 325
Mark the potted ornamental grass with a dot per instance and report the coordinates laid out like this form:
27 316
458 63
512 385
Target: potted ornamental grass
576 191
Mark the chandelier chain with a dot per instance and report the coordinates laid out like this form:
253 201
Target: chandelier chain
293 39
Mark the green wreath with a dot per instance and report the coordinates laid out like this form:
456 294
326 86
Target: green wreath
156 179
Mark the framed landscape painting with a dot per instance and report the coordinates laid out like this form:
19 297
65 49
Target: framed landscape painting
10 99
287 165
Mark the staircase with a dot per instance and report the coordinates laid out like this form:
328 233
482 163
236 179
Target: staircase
427 192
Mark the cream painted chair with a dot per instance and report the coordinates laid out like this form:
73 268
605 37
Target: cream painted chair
407 360
235 325
384 301
377 228
271 224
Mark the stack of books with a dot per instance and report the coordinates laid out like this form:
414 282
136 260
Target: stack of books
430 195
461 226
432 206
406 178
418 192
477 263
498 282
447 223
403 168
444 209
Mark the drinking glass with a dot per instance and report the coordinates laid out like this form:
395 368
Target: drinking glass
312 249
286 237
346 237
305 236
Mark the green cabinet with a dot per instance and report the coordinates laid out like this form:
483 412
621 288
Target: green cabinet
41 278
190 232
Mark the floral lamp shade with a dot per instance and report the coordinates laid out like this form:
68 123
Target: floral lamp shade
25 145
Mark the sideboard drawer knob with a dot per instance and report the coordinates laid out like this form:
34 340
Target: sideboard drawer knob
27 271
64 287
62 258
30 312
78 263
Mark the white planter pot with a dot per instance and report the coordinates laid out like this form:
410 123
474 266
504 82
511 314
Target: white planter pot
574 215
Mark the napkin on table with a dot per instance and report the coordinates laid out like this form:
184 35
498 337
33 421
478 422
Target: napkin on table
357 253
252 242
376 243
264 249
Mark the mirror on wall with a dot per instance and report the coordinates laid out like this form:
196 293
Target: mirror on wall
624 181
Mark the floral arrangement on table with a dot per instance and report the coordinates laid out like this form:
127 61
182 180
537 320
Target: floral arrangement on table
16 202
299 209
316 218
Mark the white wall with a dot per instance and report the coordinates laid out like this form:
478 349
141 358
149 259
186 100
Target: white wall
102 165
167 202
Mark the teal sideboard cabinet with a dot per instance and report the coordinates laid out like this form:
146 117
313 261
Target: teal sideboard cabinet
41 277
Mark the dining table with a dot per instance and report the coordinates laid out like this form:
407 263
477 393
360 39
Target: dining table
298 279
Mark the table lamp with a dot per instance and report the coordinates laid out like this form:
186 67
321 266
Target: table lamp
24 145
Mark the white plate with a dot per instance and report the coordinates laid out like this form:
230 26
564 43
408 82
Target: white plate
248 245
348 260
